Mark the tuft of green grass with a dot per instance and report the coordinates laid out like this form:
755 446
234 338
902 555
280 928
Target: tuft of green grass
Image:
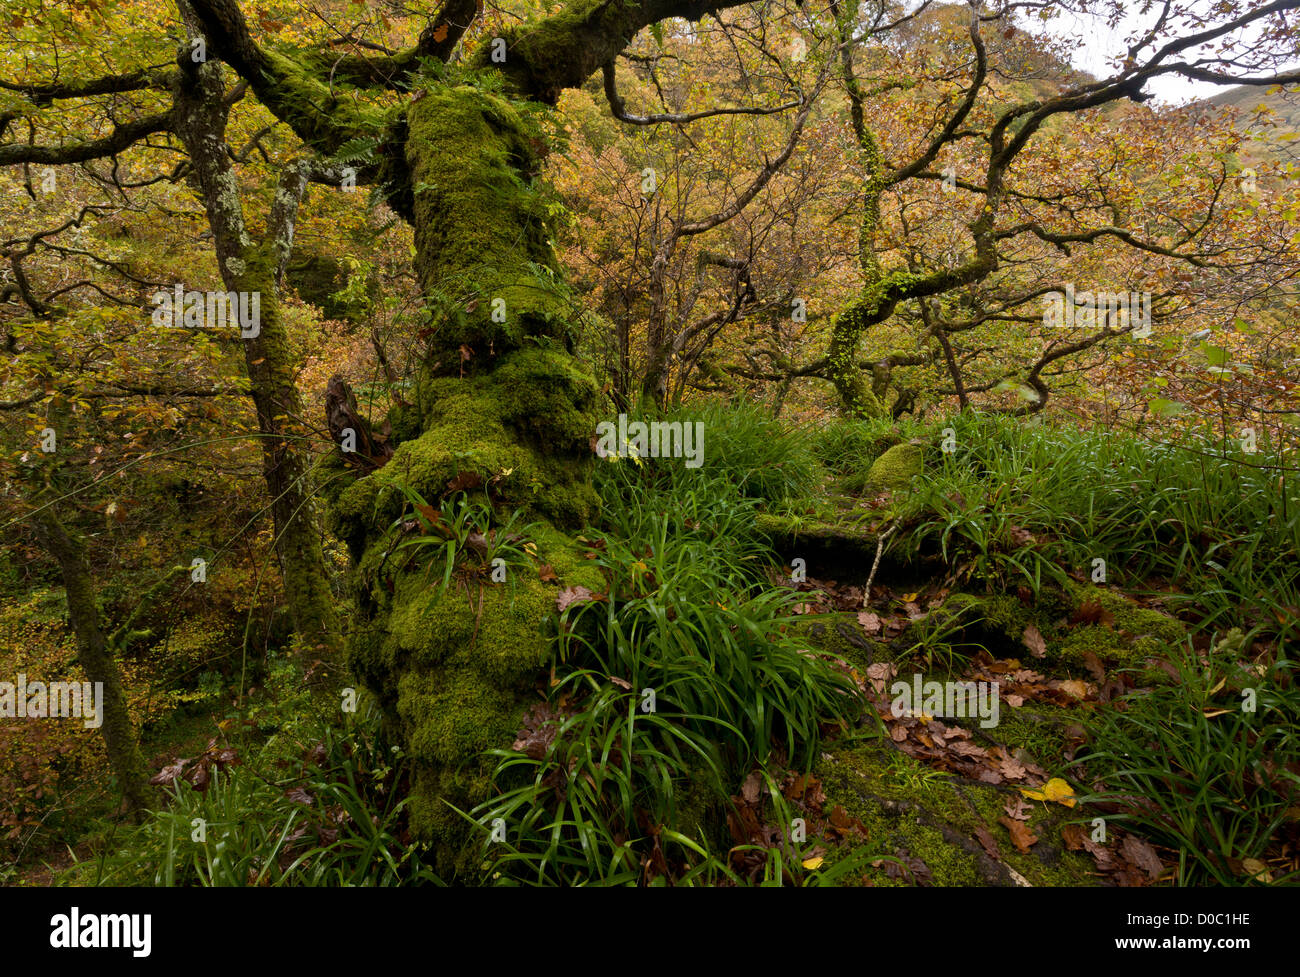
340 823
1024 503
460 532
681 678
1192 767
761 457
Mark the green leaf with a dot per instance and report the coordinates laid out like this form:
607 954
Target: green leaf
1217 355
361 148
1165 408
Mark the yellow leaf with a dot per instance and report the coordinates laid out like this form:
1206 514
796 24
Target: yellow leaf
813 863
1055 789
908 598
1254 866
1074 687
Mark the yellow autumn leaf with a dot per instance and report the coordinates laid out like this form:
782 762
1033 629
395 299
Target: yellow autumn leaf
1257 869
1075 688
1055 789
908 598
813 863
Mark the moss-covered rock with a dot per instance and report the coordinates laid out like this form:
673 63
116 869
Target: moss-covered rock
842 636
828 548
1045 733
1126 635
894 470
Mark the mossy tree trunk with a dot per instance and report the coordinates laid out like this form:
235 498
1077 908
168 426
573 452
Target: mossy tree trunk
253 266
856 395
501 399
95 656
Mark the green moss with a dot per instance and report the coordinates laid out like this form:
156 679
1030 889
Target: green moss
456 667
935 820
323 115
895 469
1003 613
1040 730
482 235
540 391
841 635
808 535
999 621
540 53
1130 618
1133 635
501 396
532 444
569 563
846 334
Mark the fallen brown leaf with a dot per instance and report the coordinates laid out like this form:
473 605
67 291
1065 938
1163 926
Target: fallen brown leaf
1141 854
1017 808
1033 640
1073 835
1021 836
1093 664
987 842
